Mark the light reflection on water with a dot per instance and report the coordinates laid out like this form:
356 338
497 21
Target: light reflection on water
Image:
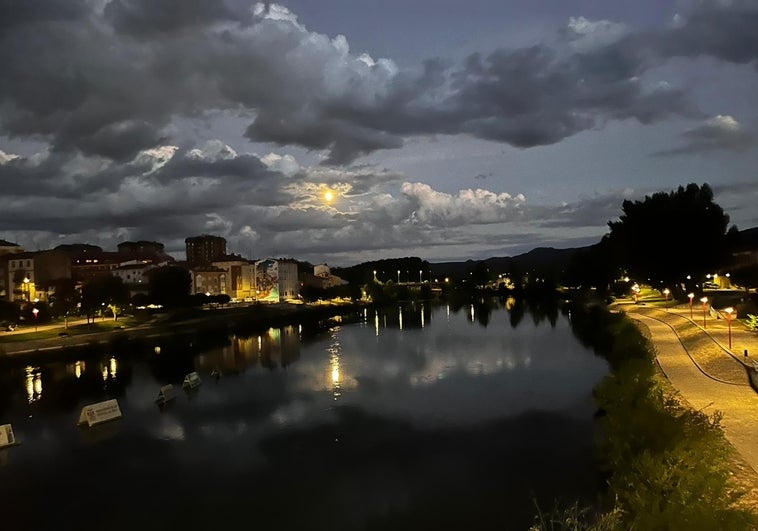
397 375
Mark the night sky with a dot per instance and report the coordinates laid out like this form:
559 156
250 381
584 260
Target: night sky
445 130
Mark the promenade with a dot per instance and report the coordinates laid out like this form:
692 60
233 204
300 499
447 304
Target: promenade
708 374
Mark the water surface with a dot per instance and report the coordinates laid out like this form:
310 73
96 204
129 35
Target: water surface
416 417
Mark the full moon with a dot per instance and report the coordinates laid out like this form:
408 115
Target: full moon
328 195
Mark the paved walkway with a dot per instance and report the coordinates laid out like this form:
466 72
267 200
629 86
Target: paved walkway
708 374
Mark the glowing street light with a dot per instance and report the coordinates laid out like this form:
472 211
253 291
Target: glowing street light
420 277
666 292
729 312
374 275
35 311
704 300
398 276
691 296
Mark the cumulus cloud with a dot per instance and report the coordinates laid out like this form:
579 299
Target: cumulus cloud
169 193
433 208
721 133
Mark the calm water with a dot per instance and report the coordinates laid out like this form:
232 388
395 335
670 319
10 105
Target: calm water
416 418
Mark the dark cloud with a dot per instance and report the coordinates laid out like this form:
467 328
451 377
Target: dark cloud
722 133
146 18
118 141
110 83
724 30
104 85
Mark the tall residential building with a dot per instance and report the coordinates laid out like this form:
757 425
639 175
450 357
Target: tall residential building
205 249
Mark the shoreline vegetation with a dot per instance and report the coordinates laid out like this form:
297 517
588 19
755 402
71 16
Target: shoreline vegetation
665 466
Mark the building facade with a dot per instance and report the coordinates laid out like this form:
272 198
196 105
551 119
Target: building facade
239 276
205 249
7 249
276 280
30 274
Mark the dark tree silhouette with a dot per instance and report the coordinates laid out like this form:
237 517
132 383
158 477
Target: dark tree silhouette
64 298
593 267
671 235
170 286
103 294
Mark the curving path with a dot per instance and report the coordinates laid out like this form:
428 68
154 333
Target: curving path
707 375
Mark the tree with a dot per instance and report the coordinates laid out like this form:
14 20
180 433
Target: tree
593 266
101 292
671 235
170 286
64 298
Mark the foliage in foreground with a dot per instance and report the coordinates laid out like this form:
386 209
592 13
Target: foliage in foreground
669 465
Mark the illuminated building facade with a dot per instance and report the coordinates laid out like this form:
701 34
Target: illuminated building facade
29 274
276 280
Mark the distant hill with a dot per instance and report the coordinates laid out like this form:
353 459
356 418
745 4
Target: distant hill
542 260
747 239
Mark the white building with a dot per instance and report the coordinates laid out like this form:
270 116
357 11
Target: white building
276 280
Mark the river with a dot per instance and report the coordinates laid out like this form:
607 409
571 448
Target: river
415 417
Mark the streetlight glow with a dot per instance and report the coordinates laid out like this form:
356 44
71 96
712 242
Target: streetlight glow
691 296
729 312
704 300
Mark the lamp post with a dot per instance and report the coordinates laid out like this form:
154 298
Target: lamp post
729 312
35 311
420 276
666 292
691 296
704 300
398 276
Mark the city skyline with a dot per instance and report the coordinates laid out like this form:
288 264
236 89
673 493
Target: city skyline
345 132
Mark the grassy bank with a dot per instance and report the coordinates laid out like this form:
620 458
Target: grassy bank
668 467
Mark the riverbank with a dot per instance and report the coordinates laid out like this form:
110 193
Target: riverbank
706 375
247 319
670 463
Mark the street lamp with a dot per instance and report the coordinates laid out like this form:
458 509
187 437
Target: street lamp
691 296
704 300
729 312
420 277
666 292
374 275
398 276
35 311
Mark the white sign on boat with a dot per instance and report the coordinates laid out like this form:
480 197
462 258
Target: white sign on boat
6 436
166 394
192 381
99 413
